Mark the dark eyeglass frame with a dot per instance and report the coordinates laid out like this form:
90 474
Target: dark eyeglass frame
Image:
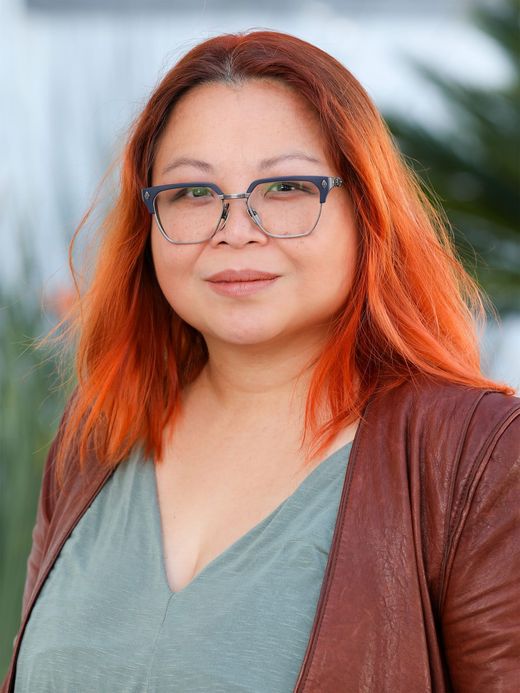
324 184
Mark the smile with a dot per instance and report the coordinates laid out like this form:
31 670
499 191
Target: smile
244 288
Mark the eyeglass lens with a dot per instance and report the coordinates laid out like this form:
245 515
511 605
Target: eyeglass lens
283 208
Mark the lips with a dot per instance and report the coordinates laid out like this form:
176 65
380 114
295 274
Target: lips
245 275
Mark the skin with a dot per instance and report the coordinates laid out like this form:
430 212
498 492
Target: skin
236 454
259 344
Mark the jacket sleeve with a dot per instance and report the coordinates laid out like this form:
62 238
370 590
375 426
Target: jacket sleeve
39 533
44 512
481 609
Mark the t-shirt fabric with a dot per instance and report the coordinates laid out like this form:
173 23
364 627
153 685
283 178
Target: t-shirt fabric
107 620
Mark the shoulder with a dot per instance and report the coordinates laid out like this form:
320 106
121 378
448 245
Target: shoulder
446 435
423 402
458 450
63 474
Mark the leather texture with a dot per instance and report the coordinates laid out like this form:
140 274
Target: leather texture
421 591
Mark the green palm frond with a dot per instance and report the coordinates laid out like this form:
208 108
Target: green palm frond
473 169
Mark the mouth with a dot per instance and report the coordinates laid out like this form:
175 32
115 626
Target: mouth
242 287
240 275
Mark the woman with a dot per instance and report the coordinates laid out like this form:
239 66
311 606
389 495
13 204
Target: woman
282 468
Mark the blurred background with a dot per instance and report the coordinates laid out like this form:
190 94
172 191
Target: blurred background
73 75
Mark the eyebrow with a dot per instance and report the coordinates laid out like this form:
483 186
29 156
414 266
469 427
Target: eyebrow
265 163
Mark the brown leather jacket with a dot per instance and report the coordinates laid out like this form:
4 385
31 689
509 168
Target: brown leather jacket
421 589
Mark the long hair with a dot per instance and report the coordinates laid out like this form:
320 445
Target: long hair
412 310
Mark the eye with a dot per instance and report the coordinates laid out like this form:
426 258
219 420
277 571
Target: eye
188 197
289 186
189 193
198 192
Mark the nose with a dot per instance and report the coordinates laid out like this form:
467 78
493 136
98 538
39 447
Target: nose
225 214
240 229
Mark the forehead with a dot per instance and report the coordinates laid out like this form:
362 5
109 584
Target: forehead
240 124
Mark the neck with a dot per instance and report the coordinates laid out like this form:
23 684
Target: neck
262 381
254 391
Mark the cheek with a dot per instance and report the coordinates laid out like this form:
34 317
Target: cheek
162 265
343 265
171 269
329 268
340 257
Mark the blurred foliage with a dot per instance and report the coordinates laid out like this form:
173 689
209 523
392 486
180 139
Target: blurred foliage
474 170
30 410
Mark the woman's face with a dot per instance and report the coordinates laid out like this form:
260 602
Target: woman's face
232 129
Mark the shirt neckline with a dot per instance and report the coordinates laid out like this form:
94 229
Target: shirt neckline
340 452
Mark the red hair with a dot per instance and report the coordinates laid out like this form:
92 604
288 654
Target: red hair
412 309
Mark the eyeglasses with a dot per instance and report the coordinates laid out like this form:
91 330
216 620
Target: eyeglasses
282 207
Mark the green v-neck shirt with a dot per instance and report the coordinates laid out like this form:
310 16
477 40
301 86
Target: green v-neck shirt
106 619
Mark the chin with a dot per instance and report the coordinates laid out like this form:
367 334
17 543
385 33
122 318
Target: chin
246 338
243 335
